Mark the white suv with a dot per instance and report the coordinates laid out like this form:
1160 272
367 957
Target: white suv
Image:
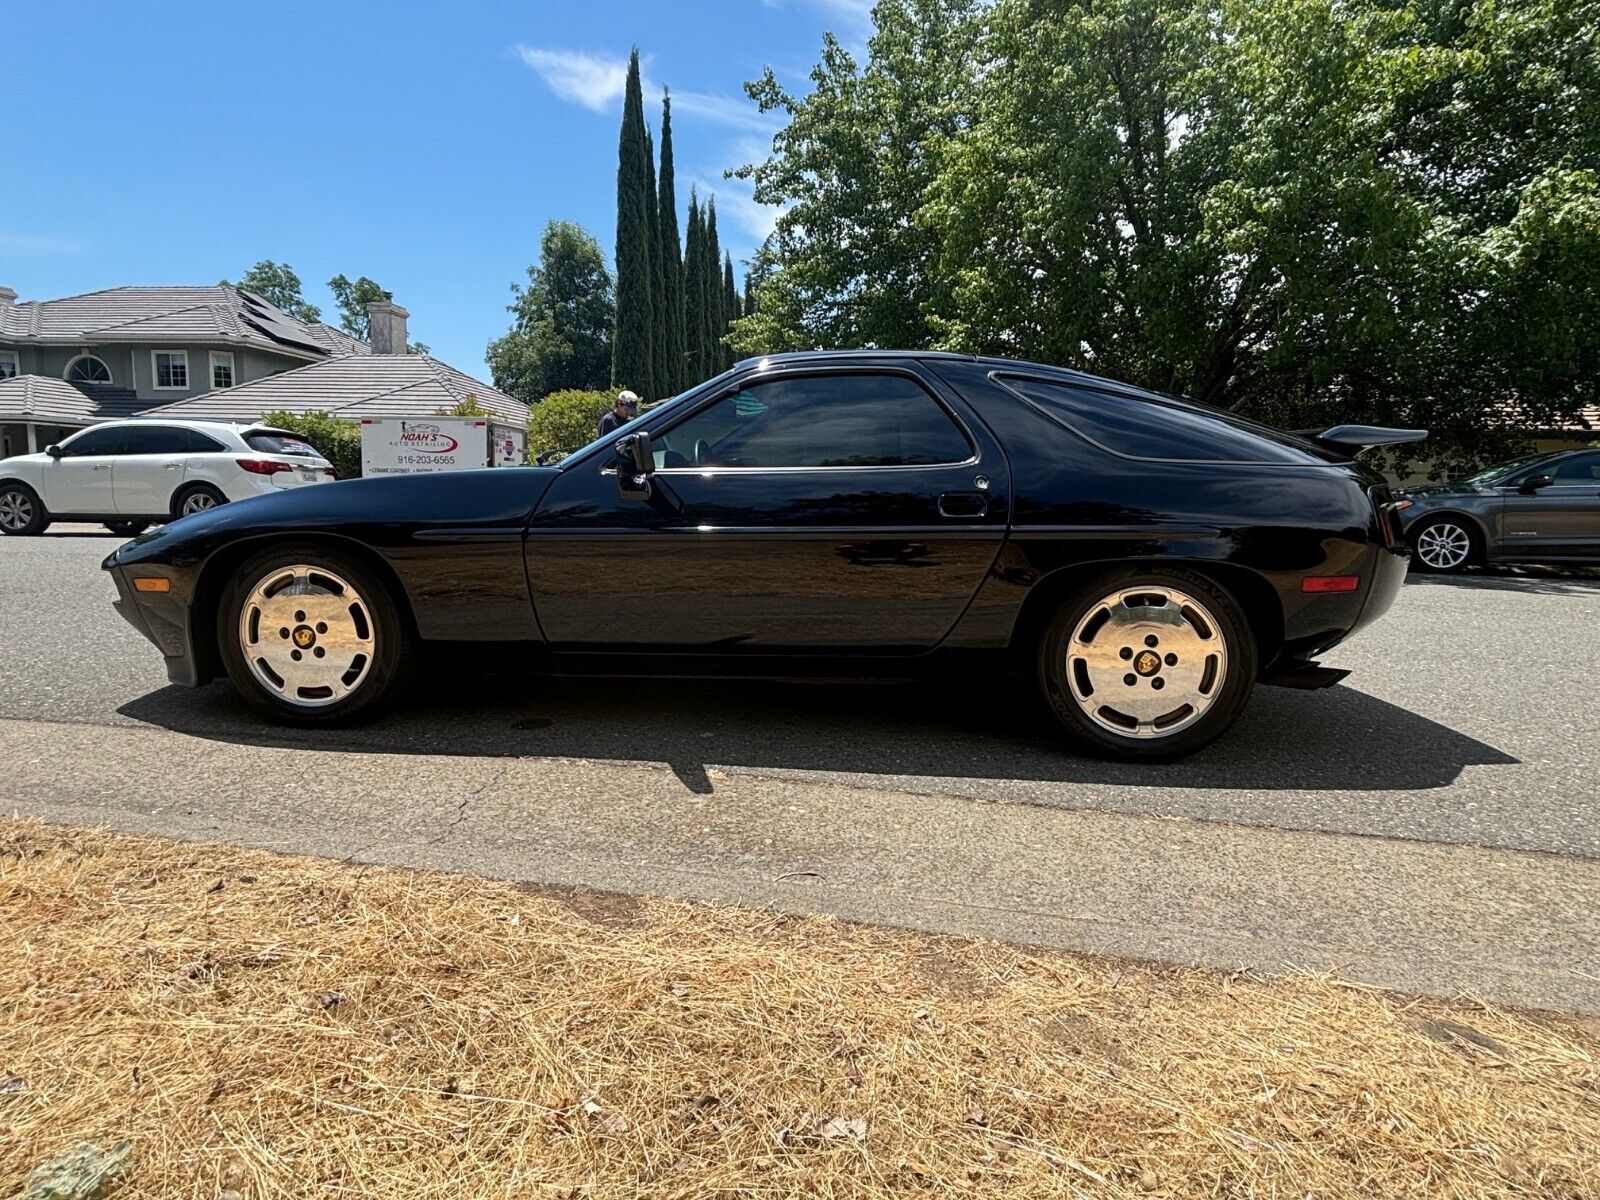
131 474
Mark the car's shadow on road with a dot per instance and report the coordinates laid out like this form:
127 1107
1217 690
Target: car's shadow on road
1531 579
1339 738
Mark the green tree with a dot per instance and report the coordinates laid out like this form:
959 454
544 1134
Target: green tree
560 336
566 420
278 285
352 299
632 352
658 386
694 298
1308 210
709 281
730 308
850 169
675 350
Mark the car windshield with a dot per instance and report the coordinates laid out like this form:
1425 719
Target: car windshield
279 443
1501 470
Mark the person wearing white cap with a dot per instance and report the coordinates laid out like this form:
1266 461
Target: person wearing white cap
623 411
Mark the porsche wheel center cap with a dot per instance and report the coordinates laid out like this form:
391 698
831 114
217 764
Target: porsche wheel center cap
1147 663
304 636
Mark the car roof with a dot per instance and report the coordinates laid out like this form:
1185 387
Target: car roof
202 426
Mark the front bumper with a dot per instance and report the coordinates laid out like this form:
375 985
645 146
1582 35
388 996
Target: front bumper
163 618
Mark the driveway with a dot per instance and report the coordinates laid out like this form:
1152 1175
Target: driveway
1428 825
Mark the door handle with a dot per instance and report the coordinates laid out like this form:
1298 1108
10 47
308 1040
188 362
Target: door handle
99 466
172 466
963 504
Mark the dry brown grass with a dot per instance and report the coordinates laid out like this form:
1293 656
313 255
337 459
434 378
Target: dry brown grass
273 1026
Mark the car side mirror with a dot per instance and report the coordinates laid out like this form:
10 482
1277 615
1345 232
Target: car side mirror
1533 483
54 451
635 464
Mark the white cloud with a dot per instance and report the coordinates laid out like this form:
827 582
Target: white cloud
594 81
736 201
33 245
738 111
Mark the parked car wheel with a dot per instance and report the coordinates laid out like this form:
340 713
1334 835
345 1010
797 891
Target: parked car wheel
1443 545
312 636
127 528
1147 664
196 498
22 513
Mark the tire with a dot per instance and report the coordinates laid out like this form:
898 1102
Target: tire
127 528
1169 631
283 606
1444 545
197 497
22 513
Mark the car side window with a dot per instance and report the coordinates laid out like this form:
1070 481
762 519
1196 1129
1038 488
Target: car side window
1140 428
833 420
157 439
96 442
1585 469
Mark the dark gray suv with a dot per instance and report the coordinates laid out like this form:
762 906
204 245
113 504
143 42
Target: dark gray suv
1545 508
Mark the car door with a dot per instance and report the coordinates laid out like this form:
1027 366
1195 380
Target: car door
836 510
151 468
79 481
1560 519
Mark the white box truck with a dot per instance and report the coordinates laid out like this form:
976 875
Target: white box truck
401 446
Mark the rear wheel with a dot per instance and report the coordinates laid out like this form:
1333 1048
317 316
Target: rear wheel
1147 664
197 497
127 528
1443 545
312 636
22 513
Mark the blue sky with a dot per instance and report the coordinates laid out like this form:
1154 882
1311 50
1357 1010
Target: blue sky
423 145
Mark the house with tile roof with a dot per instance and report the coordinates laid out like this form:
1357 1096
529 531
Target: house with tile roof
213 353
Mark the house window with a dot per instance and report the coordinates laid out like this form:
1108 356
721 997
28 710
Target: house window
221 369
8 364
170 368
86 368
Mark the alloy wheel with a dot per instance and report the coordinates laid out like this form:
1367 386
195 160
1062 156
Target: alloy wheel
197 502
16 511
1146 662
1444 546
307 635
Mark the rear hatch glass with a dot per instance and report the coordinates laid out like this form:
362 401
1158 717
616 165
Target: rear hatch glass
279 443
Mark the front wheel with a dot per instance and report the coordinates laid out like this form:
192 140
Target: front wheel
313 636
1443 545
22 513
1147 664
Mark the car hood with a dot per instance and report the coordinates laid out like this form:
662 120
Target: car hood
19 460
1439 490
362 508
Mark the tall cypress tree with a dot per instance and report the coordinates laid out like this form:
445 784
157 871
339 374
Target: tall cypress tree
730 306
693 295
711 287
632 361
675 353
658 351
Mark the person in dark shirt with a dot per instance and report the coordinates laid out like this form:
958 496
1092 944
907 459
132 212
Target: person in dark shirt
623 411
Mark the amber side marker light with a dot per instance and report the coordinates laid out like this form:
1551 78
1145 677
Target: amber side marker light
152 585
1330 583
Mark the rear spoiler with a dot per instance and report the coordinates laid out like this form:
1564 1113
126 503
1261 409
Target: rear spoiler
1350 439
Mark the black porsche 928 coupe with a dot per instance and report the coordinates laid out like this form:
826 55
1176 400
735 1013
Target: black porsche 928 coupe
1148 560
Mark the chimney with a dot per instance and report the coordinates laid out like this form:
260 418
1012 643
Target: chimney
8 297
386 322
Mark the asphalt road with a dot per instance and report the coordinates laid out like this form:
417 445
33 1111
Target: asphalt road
1427 825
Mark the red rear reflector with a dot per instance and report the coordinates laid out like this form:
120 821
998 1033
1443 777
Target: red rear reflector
1330 583
261 466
